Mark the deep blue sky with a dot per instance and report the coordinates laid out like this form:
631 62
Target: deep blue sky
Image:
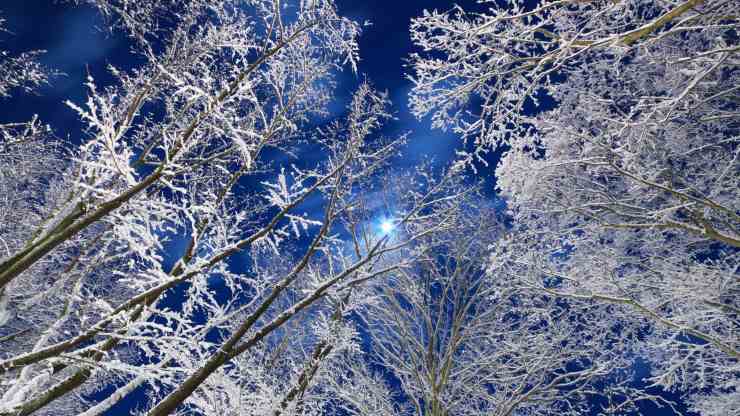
76 45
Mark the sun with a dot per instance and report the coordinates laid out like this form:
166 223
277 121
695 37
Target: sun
387 226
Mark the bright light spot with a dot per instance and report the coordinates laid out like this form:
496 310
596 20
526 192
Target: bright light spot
387 226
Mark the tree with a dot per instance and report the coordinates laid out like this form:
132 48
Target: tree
170 193
464 342
28 158
218 102
620 121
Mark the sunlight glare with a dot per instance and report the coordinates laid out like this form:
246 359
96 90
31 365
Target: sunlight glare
386 226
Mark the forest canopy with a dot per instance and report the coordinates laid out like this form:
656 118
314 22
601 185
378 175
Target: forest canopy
234 231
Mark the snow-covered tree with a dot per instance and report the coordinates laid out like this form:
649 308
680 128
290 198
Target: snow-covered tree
29 162
189 255
24 148
221 81
464 342
171 193
620 121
